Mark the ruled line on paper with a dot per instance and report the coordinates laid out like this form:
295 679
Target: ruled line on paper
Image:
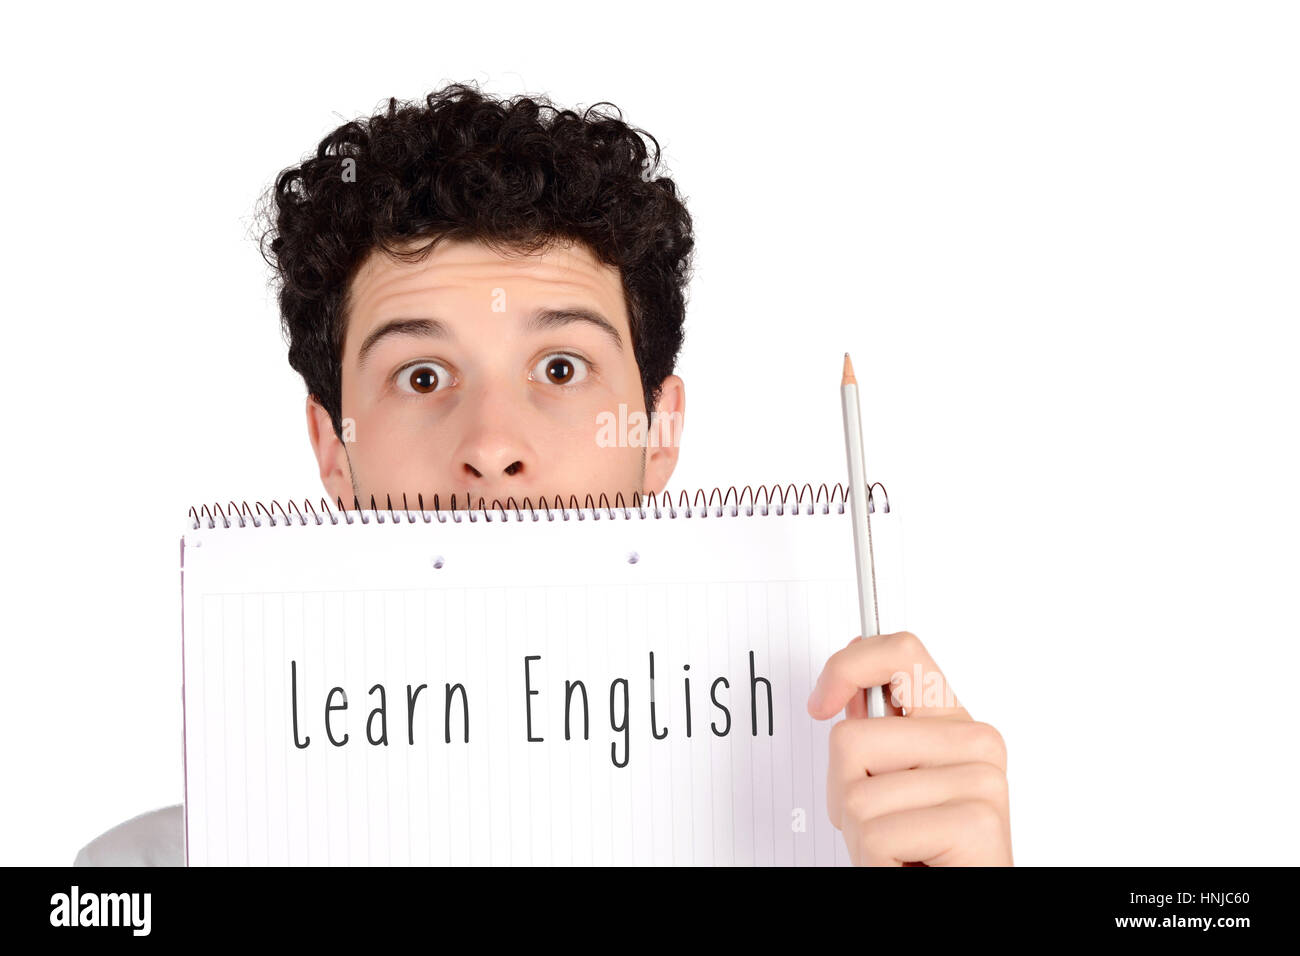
267 741
225 746
469 765
771 755
428 786
347 755
591 801
266 769
730 750
690 757
550 817
713 789
207 749
325 764
446 777
243 716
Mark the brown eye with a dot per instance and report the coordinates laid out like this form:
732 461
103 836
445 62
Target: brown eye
423 378
563 369
560 371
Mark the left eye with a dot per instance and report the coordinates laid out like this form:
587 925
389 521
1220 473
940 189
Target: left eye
561 369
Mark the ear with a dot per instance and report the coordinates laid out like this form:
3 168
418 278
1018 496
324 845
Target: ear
665 433
331 457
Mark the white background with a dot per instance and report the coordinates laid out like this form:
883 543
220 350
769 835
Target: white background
1060 241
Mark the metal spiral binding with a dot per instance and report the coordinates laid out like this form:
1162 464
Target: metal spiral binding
770 500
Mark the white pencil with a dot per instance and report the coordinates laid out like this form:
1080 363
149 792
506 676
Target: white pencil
869 614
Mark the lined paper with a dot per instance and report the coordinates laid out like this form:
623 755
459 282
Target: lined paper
519 606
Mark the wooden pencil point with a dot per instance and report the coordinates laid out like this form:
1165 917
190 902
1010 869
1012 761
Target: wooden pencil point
849 378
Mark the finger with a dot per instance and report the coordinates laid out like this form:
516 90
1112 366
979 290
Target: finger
885 745
913 682
899 660
857 705
879 796
963 833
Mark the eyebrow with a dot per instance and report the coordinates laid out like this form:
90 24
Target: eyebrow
557 318
435 328
417 328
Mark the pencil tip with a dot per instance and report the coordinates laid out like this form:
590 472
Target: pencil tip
849 378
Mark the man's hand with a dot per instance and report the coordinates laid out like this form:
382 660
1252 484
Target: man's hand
927 788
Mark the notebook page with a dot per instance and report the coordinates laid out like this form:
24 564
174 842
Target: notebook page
397 694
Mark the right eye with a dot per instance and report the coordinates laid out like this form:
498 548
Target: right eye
422 378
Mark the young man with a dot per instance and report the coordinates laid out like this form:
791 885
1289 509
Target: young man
467 284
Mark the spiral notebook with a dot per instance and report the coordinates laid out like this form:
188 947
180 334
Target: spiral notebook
554 684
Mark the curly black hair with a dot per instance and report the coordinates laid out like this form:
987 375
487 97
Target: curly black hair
516 174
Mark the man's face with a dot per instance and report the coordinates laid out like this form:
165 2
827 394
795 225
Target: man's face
473 373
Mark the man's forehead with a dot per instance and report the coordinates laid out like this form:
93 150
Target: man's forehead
458 276
472 265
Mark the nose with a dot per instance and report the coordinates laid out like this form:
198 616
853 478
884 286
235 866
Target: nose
492 470
495 458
